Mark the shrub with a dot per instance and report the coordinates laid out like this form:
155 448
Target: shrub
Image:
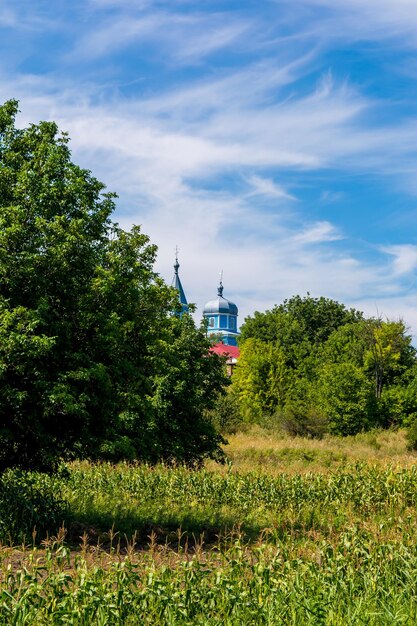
412 436
226 416
298 420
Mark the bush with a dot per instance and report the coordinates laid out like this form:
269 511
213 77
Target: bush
411 436
301 421
29 502
397 406
226 416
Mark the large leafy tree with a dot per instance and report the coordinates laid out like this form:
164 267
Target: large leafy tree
308 318
279 349
91 358
299 325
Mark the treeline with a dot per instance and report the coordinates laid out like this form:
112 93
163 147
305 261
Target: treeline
312 366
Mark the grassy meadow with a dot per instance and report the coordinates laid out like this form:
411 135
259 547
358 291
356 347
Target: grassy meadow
260 450
290 531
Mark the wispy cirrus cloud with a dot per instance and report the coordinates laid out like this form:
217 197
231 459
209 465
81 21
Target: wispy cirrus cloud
180 38
153 161
219 155
14 17
115 34
318 233
8 17
353 20
268 187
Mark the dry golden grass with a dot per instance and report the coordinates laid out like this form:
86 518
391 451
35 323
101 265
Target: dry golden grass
260 450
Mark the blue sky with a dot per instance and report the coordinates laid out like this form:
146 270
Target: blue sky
274 140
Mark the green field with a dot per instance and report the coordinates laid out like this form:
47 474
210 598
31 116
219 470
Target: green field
290 532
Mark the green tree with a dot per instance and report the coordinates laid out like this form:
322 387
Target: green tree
389 351
261 379
382 351
345 397
186 384
299 318
345 344
316 363
279 348
226 415
85 323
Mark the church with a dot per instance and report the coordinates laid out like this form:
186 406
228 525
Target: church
221 315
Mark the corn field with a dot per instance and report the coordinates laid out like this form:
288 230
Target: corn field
166 546
358 578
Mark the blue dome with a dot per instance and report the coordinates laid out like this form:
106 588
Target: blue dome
220 305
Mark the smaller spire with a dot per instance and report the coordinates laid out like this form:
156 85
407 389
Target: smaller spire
220 287
176 264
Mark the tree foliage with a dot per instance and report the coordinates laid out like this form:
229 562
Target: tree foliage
92 362
344 396
311 362
262 378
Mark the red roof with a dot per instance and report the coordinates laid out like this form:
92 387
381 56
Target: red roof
224 350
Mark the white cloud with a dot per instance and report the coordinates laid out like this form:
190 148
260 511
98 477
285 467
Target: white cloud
114 34
331 196
318 233
175 36
166 153
205 42
160 166
267 187
370 20
31 18
405 258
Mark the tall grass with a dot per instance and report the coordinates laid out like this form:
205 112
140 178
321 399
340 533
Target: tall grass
265 451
